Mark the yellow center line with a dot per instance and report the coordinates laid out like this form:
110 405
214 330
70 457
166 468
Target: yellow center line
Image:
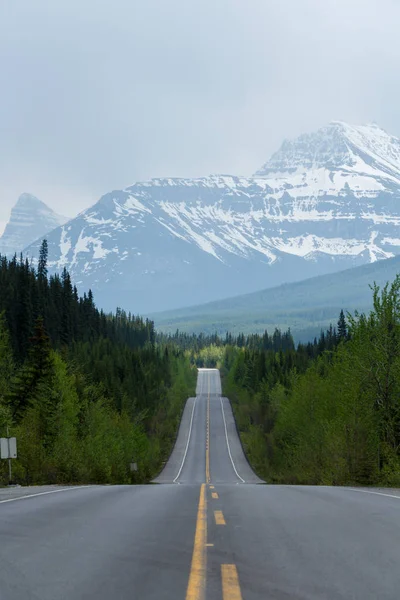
197 578
230 583
208 478
214 495
212 487
219 517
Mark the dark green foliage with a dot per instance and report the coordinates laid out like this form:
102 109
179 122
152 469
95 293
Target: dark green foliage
195 343
327 412
68 319
42 264
6 373
342 326
84 392
34 375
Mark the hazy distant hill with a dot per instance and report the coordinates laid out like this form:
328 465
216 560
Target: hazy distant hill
305 306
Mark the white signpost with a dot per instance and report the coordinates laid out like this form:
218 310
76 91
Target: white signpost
8 450
8 447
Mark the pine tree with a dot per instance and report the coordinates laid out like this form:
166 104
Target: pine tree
6 372
67 308
42 264
342 327
36 371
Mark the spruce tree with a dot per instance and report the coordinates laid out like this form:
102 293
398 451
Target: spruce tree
342 327
38 369
42 264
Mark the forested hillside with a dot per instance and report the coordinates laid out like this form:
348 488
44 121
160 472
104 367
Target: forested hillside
305 306
328 412
85 393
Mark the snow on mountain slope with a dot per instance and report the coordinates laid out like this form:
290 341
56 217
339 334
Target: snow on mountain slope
323 202
30 219
365 158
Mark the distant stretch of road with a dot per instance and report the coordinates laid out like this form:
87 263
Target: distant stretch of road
207 529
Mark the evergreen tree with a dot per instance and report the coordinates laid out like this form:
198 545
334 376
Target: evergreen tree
342 326
6 372
35 373
42 264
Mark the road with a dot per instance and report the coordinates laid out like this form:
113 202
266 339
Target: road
209 530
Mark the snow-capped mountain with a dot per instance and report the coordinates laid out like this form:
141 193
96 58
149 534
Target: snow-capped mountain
323 202
30 219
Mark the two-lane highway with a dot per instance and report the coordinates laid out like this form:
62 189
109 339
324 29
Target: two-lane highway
208 449
209 532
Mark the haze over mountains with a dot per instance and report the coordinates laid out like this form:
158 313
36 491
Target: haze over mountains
30 219
305 306
324 202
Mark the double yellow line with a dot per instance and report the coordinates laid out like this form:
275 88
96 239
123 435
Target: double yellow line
197 579
208 478
196 589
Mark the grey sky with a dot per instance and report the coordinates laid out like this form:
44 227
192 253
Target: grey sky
96 95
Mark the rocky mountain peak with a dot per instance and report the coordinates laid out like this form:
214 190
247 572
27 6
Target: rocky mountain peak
30 219
29 201
366 149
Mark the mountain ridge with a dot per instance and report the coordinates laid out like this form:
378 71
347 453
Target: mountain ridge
325 201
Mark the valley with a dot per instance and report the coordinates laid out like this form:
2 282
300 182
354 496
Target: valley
306 307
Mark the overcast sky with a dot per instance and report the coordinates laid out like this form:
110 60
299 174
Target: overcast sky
95 95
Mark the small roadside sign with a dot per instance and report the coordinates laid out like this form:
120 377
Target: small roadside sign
8 447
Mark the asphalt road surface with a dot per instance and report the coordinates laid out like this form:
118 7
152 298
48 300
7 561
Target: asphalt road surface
210 530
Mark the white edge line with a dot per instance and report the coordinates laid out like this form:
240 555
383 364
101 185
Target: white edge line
375 493
227 443
80 487
188 441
